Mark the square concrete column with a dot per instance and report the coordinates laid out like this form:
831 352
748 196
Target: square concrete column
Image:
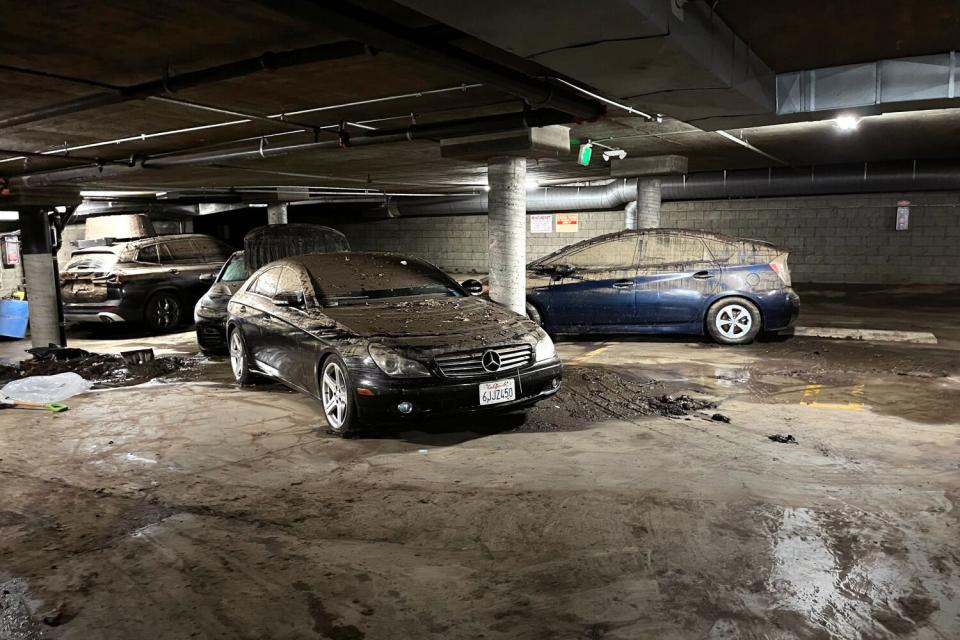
507 231
648 204
277 213
42 277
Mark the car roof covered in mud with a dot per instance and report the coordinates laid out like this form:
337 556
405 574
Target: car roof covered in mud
700 233
123 245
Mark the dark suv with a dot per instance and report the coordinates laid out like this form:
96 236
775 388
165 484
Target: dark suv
153 280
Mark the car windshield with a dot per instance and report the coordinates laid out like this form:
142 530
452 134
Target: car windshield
235 270
103 261
344 279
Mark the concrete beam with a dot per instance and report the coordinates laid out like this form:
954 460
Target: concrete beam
536 142
648 166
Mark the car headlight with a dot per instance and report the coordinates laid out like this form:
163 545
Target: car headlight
206 308
545 349
395 365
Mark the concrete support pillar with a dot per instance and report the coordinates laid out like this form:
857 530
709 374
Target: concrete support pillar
506 222
630 216
42 277
648 203
277 213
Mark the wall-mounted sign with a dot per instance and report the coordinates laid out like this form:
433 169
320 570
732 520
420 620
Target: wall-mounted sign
568 222
11 250
541 223
903 215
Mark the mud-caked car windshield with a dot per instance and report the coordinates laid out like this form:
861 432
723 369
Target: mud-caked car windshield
343 279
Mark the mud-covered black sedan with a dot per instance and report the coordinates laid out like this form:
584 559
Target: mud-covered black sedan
385 339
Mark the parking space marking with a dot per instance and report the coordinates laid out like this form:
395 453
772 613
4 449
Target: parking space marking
583 358
812 392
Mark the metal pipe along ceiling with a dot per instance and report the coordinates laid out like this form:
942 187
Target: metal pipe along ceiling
431 131
830 179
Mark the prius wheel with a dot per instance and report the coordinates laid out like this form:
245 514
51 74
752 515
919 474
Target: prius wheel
238 358
733 321
164 312
337 397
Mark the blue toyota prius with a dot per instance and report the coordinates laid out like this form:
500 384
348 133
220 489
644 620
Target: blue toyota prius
664 281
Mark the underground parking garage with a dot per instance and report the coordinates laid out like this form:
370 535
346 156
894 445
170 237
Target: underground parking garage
404 319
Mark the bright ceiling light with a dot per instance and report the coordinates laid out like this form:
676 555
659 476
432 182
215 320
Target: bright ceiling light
532 183
109 193
9 216
846 123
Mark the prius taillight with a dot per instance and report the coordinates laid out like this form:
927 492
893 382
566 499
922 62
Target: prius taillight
779 266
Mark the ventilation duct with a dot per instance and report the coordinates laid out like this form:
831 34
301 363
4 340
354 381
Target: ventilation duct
781 182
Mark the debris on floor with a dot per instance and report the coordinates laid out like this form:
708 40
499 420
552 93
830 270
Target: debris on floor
598 393
102 369
719 417
46 389
783 439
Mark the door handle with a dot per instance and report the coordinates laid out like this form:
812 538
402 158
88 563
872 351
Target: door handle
702 275
623 284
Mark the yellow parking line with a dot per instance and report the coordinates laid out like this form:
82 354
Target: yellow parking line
812 392
581 359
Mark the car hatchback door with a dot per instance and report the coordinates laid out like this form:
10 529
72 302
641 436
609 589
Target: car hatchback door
600 289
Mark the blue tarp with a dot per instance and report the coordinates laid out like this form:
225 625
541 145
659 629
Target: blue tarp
13 318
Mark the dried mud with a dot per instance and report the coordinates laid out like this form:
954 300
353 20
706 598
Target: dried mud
591 394
105 370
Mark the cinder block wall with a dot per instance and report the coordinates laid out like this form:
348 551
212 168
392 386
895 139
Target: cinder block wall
832 239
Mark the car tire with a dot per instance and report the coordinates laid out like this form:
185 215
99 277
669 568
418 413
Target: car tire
337 399
239 358
163 312
733 321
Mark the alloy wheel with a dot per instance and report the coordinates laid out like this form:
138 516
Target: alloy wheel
333 393
165 312
733 321
236 355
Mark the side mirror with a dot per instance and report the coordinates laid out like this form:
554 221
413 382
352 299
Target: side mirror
563 271
473 287
288 299
206 277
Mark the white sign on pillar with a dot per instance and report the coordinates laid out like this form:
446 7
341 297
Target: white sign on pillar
903 215
541 223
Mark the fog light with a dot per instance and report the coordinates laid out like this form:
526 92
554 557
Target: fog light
404 407
555 383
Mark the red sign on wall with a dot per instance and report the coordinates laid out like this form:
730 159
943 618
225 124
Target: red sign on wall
567 222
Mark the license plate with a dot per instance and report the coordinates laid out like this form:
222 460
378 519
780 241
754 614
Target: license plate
497 392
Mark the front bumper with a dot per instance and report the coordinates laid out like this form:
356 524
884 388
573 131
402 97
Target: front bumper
211 334
432 397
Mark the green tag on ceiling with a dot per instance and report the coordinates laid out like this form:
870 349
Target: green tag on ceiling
586 152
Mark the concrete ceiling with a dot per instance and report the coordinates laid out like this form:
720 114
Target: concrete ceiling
60 50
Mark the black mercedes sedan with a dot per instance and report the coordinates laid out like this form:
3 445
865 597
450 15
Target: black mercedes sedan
385 339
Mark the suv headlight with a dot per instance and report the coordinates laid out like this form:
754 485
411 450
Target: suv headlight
395 365
545 349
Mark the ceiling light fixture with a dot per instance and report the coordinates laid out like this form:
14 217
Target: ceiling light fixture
846 122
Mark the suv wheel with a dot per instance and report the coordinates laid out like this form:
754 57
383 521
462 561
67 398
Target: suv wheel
733 321
164 312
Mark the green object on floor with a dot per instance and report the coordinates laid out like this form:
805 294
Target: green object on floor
10 403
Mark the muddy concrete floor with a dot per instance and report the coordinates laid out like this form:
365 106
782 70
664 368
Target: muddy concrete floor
189 508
